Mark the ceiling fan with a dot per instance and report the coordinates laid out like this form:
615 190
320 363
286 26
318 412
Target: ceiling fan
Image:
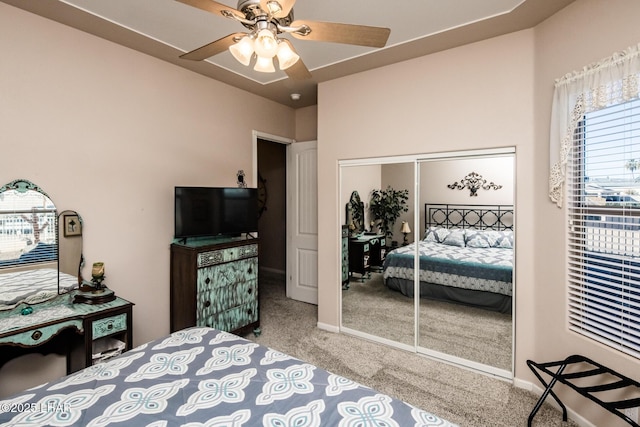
266 19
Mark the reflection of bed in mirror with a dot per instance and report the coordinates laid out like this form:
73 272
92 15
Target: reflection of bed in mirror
33 286
466 257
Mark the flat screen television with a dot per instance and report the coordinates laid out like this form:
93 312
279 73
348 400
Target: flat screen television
215 211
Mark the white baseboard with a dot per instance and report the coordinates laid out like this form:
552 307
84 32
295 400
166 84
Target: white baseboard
327 327
526 385
573 415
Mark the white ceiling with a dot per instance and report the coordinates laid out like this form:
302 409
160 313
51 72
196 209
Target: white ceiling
167 28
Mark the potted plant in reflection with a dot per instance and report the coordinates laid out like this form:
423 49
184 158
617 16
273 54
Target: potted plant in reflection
386 206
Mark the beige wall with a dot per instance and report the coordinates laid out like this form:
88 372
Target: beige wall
307 124
597 29
109 132
495 93
427 105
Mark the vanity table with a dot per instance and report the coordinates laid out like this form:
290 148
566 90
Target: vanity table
40 271
366 252
77 331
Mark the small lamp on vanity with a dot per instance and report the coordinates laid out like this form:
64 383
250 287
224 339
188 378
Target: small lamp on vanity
405 230
95 292
97 275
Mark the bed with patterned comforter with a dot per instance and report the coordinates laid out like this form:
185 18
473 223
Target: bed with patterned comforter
205 377
471 267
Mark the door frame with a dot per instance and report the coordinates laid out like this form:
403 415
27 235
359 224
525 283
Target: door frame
255 136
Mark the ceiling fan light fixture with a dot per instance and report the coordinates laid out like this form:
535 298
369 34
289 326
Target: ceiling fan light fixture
242 50
286 56
264 65
266 44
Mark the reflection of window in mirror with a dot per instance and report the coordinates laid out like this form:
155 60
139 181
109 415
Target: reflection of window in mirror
28 244
27 225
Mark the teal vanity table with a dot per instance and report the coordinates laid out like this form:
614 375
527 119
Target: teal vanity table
77 331
364 251
40 272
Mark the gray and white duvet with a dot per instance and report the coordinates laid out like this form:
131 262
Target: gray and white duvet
477 270
205 377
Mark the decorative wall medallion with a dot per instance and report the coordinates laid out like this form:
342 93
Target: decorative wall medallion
474 182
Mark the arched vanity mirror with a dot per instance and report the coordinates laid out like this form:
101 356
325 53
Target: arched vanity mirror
392 305
355 214
29 251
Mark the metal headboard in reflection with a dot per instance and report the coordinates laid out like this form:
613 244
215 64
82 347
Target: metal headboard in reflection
481 217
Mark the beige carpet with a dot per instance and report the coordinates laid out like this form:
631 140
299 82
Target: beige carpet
458 395
470 333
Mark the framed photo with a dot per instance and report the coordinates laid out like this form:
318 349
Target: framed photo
72 225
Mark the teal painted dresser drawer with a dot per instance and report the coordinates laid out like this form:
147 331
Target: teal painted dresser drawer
109 325
222 299
223 275
233 318
41 335
220 256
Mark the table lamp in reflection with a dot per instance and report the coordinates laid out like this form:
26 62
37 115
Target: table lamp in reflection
405 230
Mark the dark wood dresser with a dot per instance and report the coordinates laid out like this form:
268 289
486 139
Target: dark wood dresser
214 283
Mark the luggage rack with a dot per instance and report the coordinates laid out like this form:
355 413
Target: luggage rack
595 370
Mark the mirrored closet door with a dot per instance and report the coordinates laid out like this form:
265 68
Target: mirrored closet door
423 297
466 273
367 305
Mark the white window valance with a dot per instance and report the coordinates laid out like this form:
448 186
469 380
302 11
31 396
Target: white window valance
610 81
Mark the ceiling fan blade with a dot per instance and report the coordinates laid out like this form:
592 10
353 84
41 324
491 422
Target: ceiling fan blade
213 7
285 7
297 71
213 48
361 35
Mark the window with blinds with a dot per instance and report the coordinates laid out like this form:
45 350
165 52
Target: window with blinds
603 183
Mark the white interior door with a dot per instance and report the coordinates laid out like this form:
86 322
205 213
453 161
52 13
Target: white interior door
302 222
